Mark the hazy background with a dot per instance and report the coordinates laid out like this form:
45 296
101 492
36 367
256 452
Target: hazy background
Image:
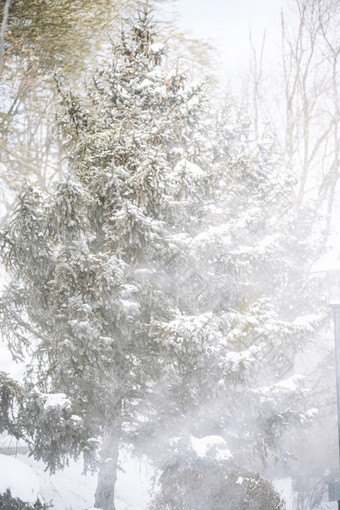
227 24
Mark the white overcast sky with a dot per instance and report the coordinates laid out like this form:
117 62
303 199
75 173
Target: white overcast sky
228 23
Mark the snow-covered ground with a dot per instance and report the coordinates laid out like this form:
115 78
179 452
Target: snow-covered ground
69 489
18 478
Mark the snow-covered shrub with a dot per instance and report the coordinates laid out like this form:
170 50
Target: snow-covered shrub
206 484
7 502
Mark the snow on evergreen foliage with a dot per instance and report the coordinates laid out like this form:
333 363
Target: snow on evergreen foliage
11 397
157 288
203 484
7 502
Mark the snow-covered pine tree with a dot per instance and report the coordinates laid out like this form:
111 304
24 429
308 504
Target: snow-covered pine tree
161 287
248 309
275 308
92 263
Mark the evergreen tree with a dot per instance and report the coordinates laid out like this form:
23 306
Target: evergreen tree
249 308
92 261
160 288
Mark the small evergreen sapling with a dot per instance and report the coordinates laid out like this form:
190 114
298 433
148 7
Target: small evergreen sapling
205 484
7 502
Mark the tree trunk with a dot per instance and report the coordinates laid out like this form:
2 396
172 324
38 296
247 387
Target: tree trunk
107 475
2 33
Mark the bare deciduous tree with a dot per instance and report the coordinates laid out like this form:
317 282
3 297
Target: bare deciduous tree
304 110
